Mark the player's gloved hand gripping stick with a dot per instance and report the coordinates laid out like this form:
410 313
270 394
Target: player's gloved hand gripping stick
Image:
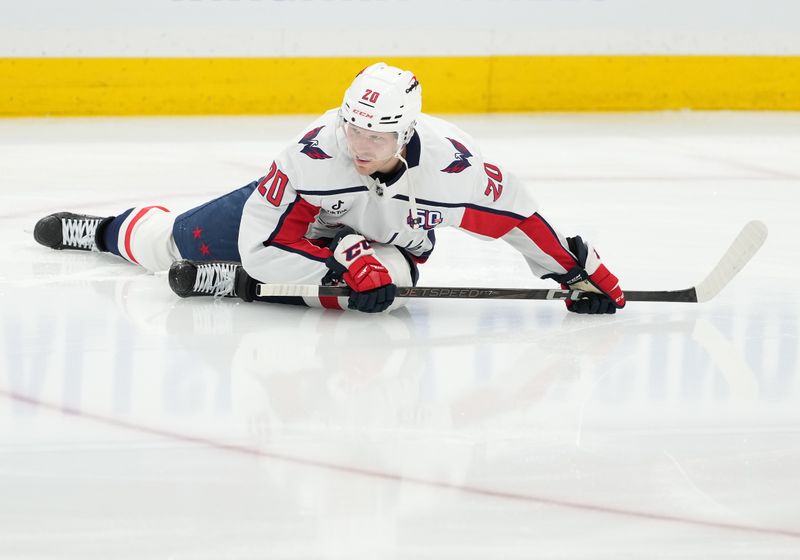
354 262
601 291
746 244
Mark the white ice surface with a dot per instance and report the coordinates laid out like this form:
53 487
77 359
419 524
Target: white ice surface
134 425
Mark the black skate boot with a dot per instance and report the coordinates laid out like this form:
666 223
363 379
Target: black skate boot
65 230
201 278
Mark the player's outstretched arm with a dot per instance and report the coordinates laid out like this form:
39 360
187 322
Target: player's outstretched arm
505 209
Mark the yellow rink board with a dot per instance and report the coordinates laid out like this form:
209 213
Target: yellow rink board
232 86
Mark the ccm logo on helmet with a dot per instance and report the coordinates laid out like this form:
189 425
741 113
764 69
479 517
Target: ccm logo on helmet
363 114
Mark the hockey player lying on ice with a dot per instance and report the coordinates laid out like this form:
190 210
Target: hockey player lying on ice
355 199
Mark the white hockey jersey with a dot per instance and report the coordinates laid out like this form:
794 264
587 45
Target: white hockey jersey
312 189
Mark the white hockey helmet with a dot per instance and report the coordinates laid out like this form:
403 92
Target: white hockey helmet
384 99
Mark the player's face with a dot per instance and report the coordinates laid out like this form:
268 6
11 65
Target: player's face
371 151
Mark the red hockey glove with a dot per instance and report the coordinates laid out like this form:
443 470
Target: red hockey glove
354 261
603 292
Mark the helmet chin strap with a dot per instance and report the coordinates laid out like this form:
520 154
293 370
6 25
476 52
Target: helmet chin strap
415 219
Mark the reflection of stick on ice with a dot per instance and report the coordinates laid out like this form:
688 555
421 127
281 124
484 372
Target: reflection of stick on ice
741 379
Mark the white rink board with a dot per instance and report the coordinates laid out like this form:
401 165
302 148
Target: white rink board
290 28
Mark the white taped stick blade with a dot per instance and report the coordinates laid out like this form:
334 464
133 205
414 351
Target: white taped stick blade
746 244
287 290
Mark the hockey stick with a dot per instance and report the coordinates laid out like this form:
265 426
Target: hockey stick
746 244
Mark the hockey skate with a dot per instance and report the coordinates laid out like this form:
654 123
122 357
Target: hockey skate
212 278
66 230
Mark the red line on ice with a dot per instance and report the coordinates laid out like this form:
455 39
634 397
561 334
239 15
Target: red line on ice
244 450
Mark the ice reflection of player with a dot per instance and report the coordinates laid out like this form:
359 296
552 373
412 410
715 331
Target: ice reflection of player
354 401
342 404
356 377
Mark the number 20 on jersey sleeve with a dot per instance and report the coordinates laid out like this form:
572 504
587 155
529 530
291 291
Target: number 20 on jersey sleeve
495 186
273 185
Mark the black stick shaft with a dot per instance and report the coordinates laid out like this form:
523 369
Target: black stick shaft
688 295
